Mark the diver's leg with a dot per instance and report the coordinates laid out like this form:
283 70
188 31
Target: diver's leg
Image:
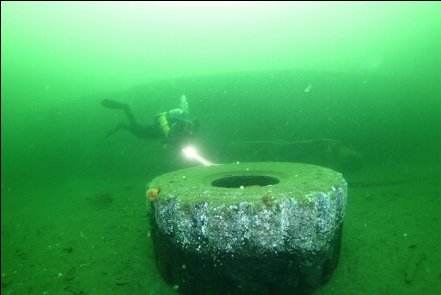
112 104
145 131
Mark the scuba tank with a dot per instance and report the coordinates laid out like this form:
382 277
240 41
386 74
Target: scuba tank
161 119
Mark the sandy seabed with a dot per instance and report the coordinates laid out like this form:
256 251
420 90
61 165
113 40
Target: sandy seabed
91 236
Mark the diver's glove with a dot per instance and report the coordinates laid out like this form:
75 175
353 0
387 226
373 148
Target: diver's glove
182 111
184 104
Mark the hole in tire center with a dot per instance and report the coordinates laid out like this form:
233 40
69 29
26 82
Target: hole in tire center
245 181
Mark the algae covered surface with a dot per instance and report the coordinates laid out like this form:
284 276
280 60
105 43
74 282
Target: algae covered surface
248 183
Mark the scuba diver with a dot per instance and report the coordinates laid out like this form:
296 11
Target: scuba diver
172 127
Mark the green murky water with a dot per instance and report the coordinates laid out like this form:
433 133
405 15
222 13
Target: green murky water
364 74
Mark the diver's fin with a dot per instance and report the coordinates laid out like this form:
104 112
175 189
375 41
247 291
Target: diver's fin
118 127
112 104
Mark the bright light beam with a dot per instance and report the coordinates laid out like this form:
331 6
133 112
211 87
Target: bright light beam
192 153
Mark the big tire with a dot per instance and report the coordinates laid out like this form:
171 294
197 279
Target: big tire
250 228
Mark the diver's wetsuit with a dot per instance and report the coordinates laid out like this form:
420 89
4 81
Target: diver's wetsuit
140 131
181 128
